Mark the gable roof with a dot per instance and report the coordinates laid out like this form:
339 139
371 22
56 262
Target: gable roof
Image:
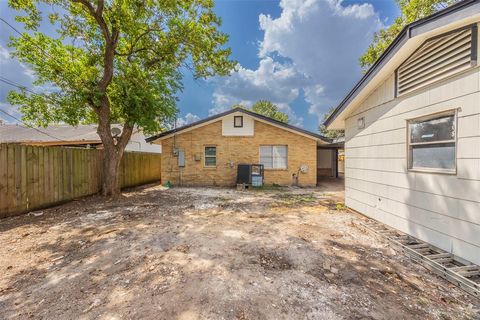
461 10
260 117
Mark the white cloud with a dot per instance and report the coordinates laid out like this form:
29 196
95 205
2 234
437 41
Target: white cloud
4 55
11 110
293 118
11 63
321 39
272 81
27 71
16 72
21 75
181 121
189 118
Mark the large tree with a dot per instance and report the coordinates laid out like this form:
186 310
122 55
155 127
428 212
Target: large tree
270 110
116 61
410 11
332 134
266 108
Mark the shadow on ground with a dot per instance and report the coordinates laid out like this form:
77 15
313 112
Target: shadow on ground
212 253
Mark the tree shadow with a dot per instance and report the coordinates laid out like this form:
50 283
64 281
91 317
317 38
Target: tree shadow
436 208
155 256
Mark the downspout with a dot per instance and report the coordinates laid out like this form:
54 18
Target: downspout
174 134
175 148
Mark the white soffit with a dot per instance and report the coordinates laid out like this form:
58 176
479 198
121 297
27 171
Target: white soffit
393 63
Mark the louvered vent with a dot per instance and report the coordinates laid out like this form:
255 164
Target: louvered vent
437 59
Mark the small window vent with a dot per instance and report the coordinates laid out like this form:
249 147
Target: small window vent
437 59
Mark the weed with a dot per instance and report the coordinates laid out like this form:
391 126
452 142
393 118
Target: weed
293 199
268 187
422 301
444 316
340 206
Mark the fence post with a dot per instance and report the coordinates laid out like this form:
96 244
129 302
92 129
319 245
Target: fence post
33 177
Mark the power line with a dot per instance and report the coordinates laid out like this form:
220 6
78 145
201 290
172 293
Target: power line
20 33
16 84
21 87
12 83
34 128
38 47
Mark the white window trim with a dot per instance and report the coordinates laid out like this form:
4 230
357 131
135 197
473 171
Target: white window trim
208 156
410 167
272 146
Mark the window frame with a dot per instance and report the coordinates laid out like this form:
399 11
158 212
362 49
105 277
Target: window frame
427 117
205 156
235 121
272 146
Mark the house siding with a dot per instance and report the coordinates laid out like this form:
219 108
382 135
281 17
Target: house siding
441 209
232 150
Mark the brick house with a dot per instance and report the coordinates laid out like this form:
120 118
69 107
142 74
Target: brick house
208 151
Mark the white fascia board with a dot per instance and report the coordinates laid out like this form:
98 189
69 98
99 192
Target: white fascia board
417 36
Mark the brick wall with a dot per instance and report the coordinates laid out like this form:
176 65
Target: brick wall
234 150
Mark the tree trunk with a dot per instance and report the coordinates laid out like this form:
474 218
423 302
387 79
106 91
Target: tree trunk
111 168
113 146
113 149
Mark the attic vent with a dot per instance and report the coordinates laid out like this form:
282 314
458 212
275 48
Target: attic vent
437 59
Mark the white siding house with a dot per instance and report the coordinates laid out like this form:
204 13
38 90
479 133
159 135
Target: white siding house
412 145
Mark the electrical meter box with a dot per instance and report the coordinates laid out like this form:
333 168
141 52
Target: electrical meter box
181 158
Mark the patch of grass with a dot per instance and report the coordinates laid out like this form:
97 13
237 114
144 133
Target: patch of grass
294 199
444 316
340 206
422 301
268 187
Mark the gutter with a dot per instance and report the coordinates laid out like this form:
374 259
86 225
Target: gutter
396 44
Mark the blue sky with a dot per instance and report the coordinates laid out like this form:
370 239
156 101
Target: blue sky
300 54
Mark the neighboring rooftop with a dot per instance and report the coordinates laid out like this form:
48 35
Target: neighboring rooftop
57 133
66 135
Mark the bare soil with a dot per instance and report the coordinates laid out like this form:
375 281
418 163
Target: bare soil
207 253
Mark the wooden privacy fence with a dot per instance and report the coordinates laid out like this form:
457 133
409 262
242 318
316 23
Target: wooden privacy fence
33 177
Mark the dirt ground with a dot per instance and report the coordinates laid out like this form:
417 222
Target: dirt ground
211 253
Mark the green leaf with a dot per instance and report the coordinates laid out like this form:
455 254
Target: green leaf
411 10
156 39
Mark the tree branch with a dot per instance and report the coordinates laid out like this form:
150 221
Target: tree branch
131 53
97 15
100 6
127 131
111 40
132 49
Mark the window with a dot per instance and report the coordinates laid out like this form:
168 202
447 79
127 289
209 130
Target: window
274 157
238 121
210 156
431 143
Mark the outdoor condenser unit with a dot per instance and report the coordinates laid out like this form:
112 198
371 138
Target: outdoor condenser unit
251 174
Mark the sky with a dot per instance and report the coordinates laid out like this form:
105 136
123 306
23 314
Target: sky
300 54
